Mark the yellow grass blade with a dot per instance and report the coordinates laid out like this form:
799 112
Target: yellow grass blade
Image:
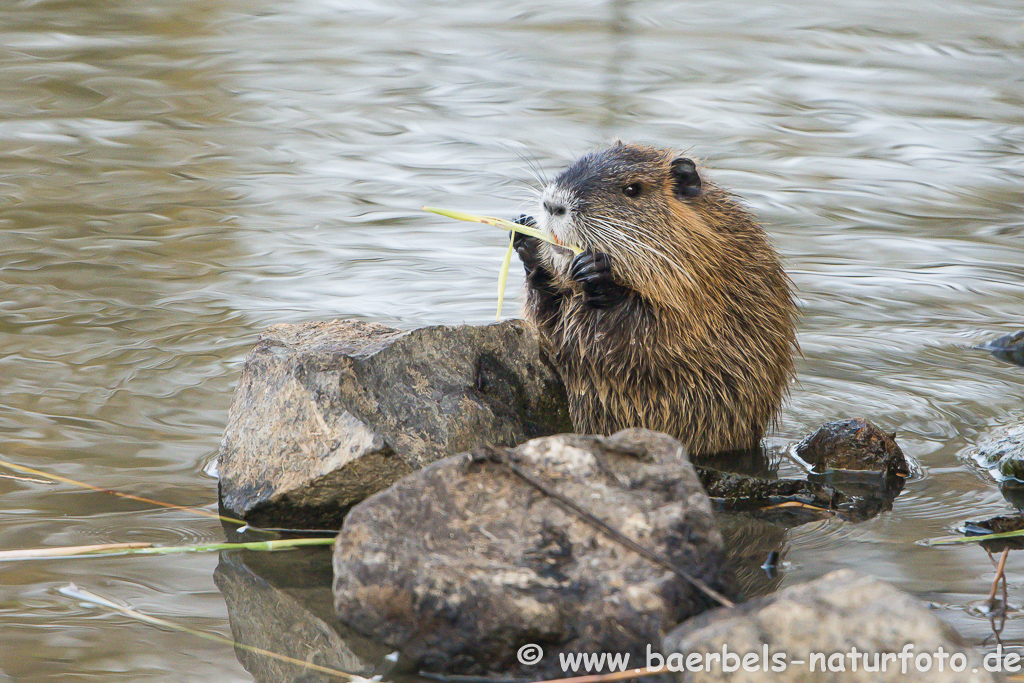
67 551
149 501
503 276
503 224
144 548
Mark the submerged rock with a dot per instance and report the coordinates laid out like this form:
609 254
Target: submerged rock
828 624
792 502
463 563
327 413
855 470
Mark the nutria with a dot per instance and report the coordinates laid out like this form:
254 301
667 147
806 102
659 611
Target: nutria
677 316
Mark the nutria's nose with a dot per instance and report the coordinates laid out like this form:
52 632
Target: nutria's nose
555 209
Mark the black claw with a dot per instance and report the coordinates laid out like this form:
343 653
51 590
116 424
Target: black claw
593 270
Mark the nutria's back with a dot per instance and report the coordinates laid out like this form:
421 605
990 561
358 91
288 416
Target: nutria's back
677 317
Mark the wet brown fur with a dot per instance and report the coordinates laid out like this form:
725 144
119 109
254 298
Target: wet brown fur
702 348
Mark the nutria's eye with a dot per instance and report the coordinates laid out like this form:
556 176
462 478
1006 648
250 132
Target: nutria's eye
632 190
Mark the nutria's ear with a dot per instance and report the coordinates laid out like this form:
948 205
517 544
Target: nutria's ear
684 173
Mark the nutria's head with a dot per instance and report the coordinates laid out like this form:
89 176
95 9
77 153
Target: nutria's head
667 230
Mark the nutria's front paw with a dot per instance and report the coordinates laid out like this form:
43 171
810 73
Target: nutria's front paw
524 244
593 270
527 248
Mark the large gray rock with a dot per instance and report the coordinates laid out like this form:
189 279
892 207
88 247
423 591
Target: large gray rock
327 413
462 563
834 616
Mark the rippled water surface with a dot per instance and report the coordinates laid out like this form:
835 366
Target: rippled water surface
175 176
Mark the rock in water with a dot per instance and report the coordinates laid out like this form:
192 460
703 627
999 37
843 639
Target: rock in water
853 445
1009 347
827 623
463 563
997 525
1001 452
327 413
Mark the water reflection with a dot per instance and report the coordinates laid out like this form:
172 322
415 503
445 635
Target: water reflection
283 604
